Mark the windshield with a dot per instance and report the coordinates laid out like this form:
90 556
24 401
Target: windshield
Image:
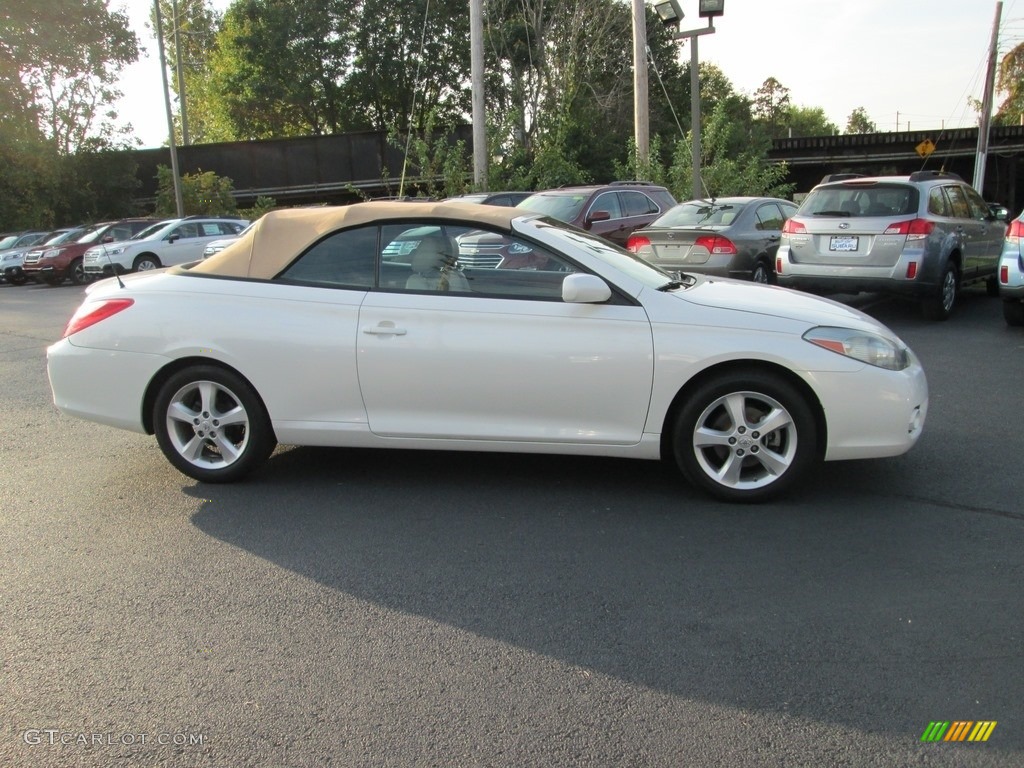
62 237
91 233
7 242
564 207
152 229
626 262
700 213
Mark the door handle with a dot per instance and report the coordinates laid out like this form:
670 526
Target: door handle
384 329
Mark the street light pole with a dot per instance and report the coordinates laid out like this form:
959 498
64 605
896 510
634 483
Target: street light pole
476 61
181 75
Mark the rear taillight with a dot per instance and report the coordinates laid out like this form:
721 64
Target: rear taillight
636 242
90 314
913 229
716 245
778 265
1004 274
1016 231
793 228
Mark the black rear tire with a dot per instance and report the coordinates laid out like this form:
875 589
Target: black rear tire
1013 313
211 425
939 306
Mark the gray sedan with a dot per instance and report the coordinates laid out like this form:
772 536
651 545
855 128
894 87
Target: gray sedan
729 237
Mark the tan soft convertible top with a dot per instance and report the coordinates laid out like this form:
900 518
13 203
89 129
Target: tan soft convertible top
278 236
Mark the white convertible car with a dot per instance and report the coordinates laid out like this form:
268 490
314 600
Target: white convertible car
377 325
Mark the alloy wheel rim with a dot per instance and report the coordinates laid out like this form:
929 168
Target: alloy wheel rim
745 440
207 425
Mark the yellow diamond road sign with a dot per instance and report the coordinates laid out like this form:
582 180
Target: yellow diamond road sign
925 148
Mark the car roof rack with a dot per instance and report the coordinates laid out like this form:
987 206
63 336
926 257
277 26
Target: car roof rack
623 183
929 175
828 179
210 216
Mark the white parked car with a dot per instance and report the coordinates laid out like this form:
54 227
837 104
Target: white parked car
1011 274
301 333
164 244
216 246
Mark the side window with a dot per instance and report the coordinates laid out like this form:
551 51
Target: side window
118 233
768 218
210 229
465 260
606 201
185 231
938 205
345 259
958 202
637 203
979 208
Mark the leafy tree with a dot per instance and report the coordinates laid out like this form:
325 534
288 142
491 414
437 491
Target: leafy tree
771 105
859 122
203 193
1010 80
61 60
808 121
197 24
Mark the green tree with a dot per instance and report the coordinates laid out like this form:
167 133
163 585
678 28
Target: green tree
1010 80
859 122
197 24
808 121
203 193
771 105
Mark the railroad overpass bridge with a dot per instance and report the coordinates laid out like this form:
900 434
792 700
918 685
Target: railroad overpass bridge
343 168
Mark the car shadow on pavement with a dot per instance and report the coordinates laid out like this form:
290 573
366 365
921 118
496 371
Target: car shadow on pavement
832 604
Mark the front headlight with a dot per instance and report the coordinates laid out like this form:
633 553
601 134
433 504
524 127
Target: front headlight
52 253
867 347
115 251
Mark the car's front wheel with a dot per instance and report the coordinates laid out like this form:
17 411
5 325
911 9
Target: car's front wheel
745 436
211 424
939 306
77 273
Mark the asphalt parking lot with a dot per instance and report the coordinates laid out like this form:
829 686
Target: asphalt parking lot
365 608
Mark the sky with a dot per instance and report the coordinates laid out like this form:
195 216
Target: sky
911 64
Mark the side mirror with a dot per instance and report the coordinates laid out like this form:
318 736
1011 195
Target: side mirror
107 239
585 289
598 216
999 212
173 237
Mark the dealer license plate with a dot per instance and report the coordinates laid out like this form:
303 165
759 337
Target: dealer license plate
843 243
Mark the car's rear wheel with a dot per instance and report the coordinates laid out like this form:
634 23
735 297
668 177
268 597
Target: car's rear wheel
745 436
17 279
761 273
211 424
992 286
1013 313
939 306
146 262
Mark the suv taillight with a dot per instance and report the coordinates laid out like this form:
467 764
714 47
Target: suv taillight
914 229
793 228
716 244
90 314
1016 231
636 242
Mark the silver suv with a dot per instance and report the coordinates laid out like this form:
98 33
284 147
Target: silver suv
164 244
925 235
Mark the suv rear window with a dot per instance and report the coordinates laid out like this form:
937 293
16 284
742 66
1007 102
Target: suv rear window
862 200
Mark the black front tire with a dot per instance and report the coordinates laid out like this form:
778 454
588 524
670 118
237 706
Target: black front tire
761 274
745 437
211 425
76 271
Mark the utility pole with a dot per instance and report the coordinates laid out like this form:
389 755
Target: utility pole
476 56
986 105
178 197
641 114
181 75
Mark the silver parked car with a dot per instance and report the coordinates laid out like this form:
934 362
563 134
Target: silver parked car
728 236
1011 274
925 235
